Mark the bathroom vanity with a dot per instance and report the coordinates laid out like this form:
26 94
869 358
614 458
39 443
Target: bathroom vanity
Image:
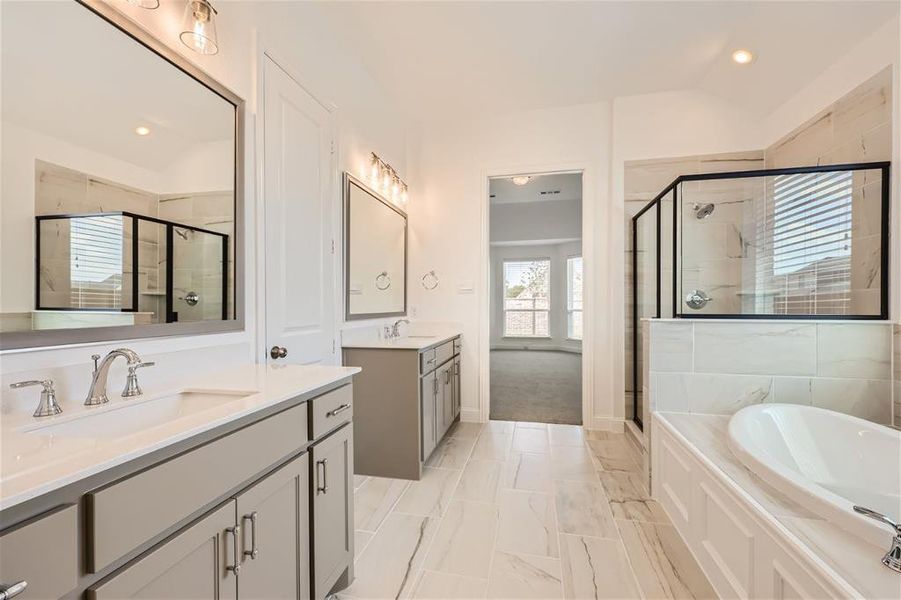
406 400
237 485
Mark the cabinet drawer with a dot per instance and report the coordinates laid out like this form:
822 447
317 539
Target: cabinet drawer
125 514
458 346
331 410
427 361
444 352
44 553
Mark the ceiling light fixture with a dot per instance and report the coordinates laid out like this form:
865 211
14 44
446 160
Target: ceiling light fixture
385 180
521 179
198 30
142 131
743 57
148 4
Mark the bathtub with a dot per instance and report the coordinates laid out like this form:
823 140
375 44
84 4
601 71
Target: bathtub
825 461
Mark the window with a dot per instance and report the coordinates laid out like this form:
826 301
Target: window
95 262
574 297
527 298
810 233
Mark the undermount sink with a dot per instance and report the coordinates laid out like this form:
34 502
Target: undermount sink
421 337
125 417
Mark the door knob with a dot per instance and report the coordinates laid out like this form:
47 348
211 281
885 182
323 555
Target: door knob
277 352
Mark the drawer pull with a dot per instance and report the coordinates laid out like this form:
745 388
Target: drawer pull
338 410
447 376
253 552
431 361
322 489
7 592
235 532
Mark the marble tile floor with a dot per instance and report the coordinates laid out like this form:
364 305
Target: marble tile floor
520 510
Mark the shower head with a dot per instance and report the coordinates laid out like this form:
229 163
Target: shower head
702 211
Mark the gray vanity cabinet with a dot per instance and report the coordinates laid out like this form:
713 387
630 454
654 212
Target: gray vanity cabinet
457 395
332 483
429 410
446 397
193 564
274 537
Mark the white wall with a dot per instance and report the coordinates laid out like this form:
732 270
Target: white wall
558 322
366 121
449 229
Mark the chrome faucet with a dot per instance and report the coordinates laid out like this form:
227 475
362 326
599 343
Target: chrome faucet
892 558
97 392
395 329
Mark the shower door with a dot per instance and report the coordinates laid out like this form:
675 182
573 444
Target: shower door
198 287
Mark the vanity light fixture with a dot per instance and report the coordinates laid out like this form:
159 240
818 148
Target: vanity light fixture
385 180
521 179
198 30
142 131
148 4
743 57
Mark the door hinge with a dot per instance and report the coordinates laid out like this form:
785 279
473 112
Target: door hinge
333 246
333 346
332 146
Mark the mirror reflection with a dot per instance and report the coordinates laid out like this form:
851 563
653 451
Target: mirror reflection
376 253
118 202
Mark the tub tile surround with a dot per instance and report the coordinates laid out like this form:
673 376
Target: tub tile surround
850 557
564 520
719 367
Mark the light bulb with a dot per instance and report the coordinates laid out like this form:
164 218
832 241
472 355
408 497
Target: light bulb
142 131
521 180
148 4
743 57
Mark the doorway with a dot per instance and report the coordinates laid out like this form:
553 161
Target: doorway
536 302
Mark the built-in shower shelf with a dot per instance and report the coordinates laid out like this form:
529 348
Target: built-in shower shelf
153 292
758 293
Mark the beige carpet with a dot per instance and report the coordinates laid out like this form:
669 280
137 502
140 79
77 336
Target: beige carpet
536 385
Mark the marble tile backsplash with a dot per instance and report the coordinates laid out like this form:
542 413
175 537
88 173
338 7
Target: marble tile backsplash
716 367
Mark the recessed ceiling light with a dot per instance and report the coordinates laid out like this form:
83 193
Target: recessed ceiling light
743 57
521 180
142 130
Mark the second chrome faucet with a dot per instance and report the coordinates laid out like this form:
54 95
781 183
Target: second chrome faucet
97 392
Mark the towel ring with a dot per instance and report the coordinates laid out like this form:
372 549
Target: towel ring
382 281
430 280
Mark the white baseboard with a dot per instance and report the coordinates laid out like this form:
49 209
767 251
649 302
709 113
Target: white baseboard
607 424
470 415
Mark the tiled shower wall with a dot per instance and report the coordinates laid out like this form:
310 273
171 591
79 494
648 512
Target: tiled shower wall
719 367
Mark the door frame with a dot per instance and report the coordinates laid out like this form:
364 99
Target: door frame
265 50
588 283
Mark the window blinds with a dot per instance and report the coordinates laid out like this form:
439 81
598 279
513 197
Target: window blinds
804 244
96 261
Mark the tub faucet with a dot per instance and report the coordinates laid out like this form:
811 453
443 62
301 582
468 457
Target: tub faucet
892 558
97 392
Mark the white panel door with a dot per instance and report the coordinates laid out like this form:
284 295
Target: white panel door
297 182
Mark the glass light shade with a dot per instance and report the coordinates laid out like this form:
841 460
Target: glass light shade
199 27
148 4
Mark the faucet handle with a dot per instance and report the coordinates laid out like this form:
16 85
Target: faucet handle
879 517
142 365
48 405
132 388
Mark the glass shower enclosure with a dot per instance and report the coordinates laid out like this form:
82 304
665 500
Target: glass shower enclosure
161 271
794 243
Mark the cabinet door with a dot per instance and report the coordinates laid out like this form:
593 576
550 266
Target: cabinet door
275 536
457 397
193 564
447 397
332 518
428 391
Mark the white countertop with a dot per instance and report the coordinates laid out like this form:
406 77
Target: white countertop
407 342
34 463
848 556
